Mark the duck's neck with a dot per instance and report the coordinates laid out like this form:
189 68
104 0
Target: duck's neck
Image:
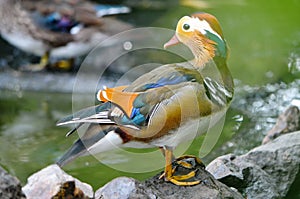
221 63
202 53
210 52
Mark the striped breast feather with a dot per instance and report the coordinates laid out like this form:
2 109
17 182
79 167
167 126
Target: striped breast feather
217 92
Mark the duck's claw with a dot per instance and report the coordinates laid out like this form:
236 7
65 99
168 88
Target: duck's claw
186 176
181 180
184 183
189 161
163 174
176 172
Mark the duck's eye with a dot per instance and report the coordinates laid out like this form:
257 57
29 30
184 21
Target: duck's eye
186 26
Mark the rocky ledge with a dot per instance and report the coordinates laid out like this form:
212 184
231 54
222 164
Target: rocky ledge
10 187
267 171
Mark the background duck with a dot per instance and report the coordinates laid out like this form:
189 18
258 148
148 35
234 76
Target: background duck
169 105
61 29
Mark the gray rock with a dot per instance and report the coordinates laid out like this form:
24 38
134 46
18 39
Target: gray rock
155 188
287 122
10 187
267 171
47 183
208 188
117 188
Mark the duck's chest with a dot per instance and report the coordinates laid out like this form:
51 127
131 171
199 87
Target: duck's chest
187 131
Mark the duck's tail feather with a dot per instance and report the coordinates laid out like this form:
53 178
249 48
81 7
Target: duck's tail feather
94 114
77 149
93 134
96 139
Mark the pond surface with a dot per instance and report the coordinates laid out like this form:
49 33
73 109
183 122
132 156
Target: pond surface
264 38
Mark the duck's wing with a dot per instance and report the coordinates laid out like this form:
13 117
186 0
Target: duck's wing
142 111
136 104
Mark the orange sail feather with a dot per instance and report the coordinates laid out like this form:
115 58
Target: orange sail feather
117 96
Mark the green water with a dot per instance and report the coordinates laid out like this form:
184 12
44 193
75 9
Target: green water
264 38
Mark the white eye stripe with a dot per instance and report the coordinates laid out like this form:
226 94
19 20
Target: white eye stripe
202 26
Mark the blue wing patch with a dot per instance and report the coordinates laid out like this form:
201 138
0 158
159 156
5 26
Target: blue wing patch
54 22
174 78
136 118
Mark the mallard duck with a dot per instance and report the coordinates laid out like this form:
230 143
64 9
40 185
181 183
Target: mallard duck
62 29
169 105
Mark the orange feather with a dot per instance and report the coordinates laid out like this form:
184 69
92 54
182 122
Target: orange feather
117 96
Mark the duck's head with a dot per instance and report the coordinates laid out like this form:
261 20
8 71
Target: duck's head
202 33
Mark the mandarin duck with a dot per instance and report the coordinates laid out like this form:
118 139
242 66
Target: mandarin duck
169 105
62 29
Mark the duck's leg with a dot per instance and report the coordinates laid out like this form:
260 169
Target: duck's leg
44 60
177 179
60 65
63 65
162 149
